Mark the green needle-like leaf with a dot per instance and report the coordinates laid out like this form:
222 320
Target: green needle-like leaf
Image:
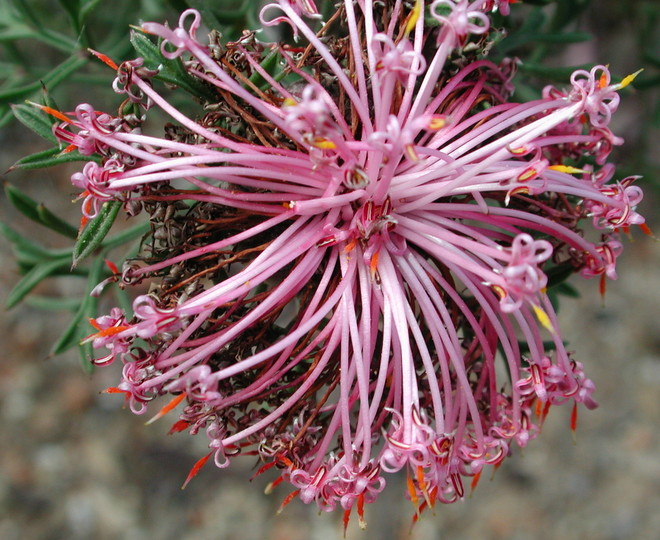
50 158
77 330
35 276
36 120
55 223
95 232
170 71
38 212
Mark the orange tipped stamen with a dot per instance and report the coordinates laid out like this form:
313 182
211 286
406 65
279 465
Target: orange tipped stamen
546 410
111 331
475 481
287 500
602 286
272 485
538 409
411 489
263 469
418 513
111 266
167 408
360 511
53 112
106 332
422 484
178 426
420 478
87 205
646 229
94 323
115 390
574 415
373 264
285 460
495 467
195 468
346 519
105 59
350 246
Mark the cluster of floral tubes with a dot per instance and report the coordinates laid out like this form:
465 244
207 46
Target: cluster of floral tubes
349 259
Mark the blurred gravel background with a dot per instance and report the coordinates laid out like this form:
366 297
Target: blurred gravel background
74 466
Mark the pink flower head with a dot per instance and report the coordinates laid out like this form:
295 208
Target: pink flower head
342 264
400 59
618 209
522 276
92 128
604 261
460 18
94 180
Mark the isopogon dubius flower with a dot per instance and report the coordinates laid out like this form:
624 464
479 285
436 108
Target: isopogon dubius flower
342 254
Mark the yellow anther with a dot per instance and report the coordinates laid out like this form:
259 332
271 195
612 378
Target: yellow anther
414 16
411 153
527 175
566 169
543 318
515 191
518 150
627 80
324 144
289 102
437 122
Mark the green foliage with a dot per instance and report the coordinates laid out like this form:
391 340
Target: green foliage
32 41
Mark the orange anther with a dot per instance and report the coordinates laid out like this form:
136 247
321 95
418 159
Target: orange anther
105 59
346 519
115 390
373 264
360 511
574 414
111 331
475 481
195 468
411 489
53 112
111 266
94 323
602 285
272 485
167 408
178 426
287 500
646 229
